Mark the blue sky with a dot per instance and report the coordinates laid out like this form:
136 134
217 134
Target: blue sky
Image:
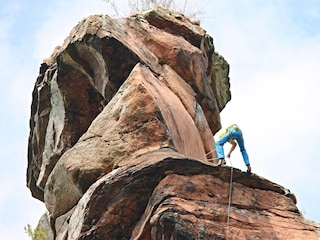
273 49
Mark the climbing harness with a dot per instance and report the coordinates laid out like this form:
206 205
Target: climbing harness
230 196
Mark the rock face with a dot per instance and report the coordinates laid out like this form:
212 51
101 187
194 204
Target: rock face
121 130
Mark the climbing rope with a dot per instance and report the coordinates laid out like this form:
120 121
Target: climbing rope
230 190
208 154
230 195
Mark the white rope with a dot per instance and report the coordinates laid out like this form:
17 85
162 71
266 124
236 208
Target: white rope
230 195
208 154
230 190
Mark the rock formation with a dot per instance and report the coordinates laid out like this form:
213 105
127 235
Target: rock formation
121 130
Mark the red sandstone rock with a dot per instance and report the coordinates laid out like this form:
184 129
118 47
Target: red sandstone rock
123 115
83 75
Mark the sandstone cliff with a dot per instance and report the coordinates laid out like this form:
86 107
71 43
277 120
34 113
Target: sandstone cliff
121 130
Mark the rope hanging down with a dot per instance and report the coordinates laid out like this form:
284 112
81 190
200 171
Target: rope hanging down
230 190
230 197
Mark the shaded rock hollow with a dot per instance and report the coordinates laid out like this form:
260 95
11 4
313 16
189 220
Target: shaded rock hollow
122 122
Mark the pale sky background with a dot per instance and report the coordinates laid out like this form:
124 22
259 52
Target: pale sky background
273 48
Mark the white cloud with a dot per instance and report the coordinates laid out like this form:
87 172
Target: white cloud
17 207
8 14
58 23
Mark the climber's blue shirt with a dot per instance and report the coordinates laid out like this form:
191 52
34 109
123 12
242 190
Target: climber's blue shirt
231 134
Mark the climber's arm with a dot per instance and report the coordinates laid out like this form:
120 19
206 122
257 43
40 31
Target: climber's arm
234 144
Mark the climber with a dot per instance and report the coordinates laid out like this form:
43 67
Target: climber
232 134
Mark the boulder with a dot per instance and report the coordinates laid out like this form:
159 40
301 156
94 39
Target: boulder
123 116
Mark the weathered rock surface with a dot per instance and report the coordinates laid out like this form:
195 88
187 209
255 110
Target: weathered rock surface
122 122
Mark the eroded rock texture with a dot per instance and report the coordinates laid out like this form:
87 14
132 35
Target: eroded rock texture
122 122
